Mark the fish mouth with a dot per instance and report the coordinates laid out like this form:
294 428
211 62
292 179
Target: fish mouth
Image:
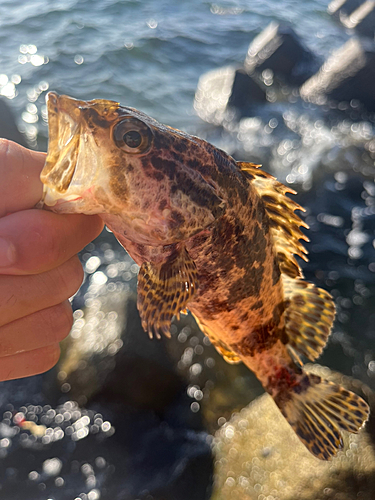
64 132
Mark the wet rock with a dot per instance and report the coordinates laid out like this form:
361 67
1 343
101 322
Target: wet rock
8 127
225 93
162 442
259 456
343 7
347 75
278 49
362 19
141 374
70 452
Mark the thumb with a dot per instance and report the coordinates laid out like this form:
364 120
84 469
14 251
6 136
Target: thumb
20 185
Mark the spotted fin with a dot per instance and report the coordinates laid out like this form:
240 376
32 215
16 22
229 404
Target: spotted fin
164 291
318 410
222 348
284 223
309 315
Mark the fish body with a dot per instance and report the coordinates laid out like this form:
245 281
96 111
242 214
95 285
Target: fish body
212 235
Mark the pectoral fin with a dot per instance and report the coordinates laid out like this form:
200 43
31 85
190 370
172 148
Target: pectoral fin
164 291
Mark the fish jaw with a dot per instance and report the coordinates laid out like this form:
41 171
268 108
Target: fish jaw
73 174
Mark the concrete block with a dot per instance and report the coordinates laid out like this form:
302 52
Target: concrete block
362 19
279 49
346 7
226 89
349 73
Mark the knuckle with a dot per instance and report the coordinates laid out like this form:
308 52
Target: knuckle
77 273
51 237
46 358
46 233
65 321
51 357
5 145
58 320
69 277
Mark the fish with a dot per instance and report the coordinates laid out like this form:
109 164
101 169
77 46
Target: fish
213 236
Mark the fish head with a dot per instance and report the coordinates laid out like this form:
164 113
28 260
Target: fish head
118 162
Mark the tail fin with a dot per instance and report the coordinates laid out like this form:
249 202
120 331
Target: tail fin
317 410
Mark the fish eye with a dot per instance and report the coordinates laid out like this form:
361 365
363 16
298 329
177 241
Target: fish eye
133 139
132 136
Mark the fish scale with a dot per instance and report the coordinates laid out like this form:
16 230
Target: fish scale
212 235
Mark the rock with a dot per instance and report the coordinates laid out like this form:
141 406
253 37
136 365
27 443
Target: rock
258 456
279 49
346 7
133 381
348 74
224 92
8 127
362 19
141 374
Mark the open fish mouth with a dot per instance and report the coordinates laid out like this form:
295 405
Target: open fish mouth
63 146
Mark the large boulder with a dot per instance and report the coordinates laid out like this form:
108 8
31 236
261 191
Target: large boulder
348 74
259 456
279 49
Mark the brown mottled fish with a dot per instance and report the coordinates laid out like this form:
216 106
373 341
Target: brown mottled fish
212 235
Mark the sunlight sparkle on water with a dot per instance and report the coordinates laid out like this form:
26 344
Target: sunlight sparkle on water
8 86
28 54
92 264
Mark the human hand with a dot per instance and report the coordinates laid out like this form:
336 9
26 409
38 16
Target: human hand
39 268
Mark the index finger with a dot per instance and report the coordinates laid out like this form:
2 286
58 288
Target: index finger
20 186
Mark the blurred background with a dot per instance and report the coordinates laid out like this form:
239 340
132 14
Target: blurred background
285 83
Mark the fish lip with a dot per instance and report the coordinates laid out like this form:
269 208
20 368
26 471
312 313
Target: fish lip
58 108
63 103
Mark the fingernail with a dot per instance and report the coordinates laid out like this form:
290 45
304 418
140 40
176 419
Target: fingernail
7 253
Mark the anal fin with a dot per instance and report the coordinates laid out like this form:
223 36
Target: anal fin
164 290
319 410
229 356
309 315
222 348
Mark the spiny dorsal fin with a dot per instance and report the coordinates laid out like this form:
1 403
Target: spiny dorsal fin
164 291
284 223
309 315
222 348
319 410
